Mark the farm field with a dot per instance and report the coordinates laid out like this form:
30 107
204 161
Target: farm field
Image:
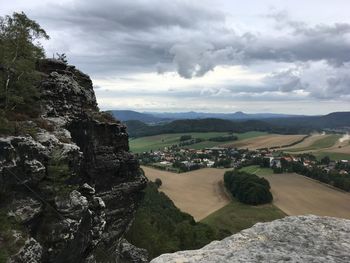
198 193
335 146
255 169
266 141
157 142
333 155
316 142
295 194
237 216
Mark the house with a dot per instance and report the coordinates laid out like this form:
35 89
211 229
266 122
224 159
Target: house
210 163
288 159
165 163
275 162
343 172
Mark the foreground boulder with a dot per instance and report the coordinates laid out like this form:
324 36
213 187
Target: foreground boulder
291 239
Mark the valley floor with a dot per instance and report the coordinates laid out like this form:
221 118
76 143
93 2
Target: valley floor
199 192
298 195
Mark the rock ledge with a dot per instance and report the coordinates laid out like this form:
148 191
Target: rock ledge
291 239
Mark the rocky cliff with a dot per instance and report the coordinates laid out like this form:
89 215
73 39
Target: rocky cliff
292 239
69 187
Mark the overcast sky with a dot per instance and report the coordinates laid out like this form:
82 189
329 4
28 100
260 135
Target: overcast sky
211 56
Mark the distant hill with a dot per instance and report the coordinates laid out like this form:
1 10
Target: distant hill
126 115
287 125
159 117
140 129
331 120
226 116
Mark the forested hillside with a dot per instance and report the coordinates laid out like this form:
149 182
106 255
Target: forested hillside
290 125
140 129
160 227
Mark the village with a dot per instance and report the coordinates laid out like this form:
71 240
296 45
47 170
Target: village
177 159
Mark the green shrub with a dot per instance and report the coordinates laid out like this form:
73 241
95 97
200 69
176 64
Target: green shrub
158 182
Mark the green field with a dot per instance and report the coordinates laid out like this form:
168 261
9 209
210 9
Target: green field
236 216
158 142
322 143
256 169
332 155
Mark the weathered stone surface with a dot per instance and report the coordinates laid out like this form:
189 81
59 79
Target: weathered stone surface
31 252
26 209
128 253
291 239
77 187
66 91
22 160
73 205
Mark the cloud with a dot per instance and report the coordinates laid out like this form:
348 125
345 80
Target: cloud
192 39
318 80
303 58
286 80
197 58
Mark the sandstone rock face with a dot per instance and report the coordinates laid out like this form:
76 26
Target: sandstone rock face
292 239
72 187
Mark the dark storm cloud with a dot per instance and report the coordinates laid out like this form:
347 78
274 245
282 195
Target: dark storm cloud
192 39
136 15
121 37
124 35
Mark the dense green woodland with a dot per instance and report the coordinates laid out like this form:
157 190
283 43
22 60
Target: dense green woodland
248 188
160 227
19 53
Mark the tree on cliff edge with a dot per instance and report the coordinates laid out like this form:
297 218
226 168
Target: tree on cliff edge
19 51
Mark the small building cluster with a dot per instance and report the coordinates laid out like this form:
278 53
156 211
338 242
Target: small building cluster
185 159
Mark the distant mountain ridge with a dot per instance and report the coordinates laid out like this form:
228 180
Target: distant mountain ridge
239 115
288 125
129 115
331 120
158 117
139 129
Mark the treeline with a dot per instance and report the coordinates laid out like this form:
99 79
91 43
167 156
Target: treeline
188 140
140 129
191 141
160 227
334 178
291 144
248 188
